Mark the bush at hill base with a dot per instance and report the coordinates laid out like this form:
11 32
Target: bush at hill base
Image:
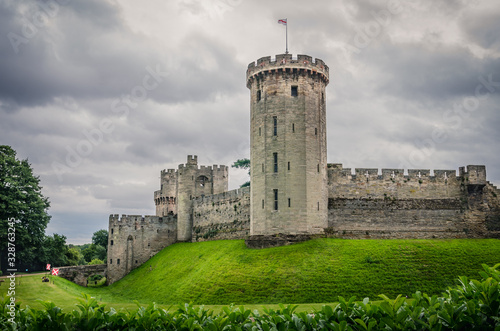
472 304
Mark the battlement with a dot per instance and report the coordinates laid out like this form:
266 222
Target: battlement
132 220
473 174
368 174
229 195
286 62
169 172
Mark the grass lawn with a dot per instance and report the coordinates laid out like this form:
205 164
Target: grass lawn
309 273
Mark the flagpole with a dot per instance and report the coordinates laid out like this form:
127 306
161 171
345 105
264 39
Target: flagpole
286 35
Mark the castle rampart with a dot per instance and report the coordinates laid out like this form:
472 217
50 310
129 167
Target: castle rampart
134 239
416 205
222 216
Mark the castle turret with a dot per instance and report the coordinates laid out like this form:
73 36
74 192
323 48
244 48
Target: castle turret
288 145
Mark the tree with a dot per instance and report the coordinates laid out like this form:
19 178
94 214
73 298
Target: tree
73 256
94 252
101 238
242 164
22 202
54 251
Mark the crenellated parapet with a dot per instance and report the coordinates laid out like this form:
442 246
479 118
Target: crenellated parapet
285 63
337 172
224 196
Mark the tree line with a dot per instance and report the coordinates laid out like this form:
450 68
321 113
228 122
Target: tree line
23 207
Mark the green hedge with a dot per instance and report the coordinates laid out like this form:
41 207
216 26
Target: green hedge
472 304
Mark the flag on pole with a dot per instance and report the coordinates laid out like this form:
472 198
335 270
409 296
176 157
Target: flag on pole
282 21
55 271
48 266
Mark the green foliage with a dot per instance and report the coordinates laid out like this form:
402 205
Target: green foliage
21 199
54 250
73 256
242 164
473 304
100 238
94 251
96 261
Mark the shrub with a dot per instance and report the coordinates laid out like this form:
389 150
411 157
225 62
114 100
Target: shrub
96 261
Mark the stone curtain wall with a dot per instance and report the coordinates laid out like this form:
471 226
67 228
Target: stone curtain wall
393 205
80 273
222 216
134 239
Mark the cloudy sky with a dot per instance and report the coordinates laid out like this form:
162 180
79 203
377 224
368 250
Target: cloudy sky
100 95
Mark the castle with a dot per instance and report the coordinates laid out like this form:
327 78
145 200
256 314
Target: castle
294 192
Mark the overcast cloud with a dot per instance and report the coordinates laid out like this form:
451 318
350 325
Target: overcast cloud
101 95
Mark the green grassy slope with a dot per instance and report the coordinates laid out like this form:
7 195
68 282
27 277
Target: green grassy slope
317 271
223 272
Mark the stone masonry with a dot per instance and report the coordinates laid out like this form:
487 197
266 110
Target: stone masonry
294 194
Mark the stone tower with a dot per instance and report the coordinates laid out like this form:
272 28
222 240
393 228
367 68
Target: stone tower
289 192
179 188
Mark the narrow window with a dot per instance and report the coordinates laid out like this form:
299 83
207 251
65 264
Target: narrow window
315 131
288 165
318 167
289 203
293 127
294 91
258 95
275 125
262 203
318 205
259 131
110 261
262 167
275 199
322 98
136 261
112 230
275 156
149 244
111 242
117 261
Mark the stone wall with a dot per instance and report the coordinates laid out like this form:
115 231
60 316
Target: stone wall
134 239
222 216
366 204
80 273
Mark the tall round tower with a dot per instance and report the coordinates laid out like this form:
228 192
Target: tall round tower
288 145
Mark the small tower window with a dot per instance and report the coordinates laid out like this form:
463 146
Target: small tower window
117 261
275 199
262 203
262 167
110 261
260 131
258 95
112 230
111 242
315 131
275 156
318 167
289 203
293 127
275 125
295 91
288 165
